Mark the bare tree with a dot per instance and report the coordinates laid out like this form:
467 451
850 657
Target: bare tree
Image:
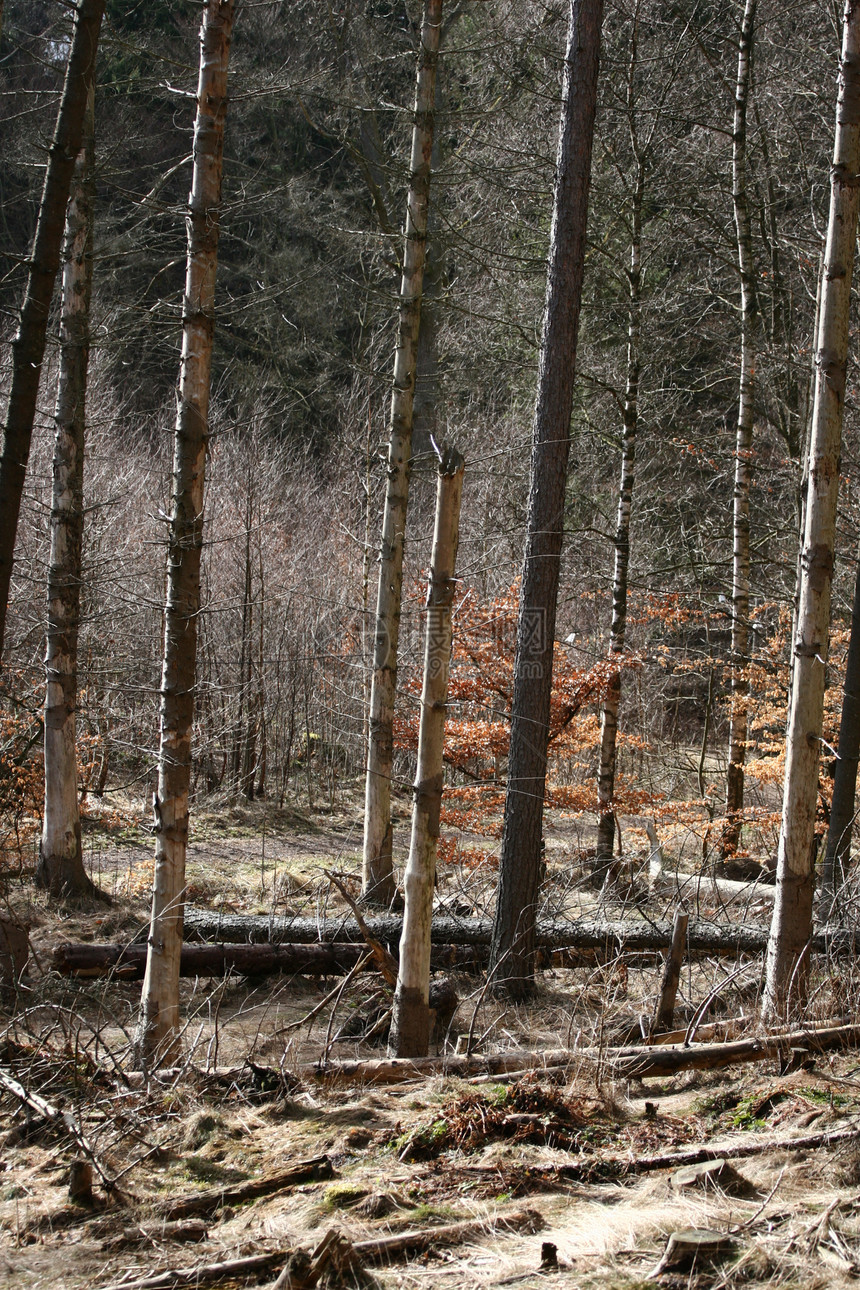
28 347
739 720
410 1026
787 956
61 867
158 1033
513 942
618 628
377 874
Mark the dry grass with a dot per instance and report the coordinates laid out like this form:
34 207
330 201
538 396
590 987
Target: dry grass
70 1041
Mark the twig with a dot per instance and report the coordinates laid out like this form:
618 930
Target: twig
62 1118
385 959
309 1016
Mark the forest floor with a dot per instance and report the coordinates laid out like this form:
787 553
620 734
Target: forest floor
538 1160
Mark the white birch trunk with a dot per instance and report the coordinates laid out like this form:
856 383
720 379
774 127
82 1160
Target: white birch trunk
377 873
410 1027
739 718
158 1033
61 868
618 629
787 956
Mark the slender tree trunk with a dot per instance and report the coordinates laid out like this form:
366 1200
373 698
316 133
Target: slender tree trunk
411 1021
61 867
377 873
618 629
513 946
739 720
842 808
158 1034
787 959
28 347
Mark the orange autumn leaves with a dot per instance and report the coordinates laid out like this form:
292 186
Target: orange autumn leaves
477 730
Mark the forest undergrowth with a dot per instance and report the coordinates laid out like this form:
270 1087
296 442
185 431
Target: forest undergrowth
247 1157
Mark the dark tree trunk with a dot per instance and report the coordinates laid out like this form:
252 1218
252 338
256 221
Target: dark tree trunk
28 347
845 776
513 946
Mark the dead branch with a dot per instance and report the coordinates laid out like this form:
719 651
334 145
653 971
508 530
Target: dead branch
207 1273
386 961
206 1202
385 1248
63 1119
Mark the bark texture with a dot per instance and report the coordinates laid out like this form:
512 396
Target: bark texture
60 868
377 874
618 629
513 947
158 1033
739 715
411 1021
842 810
28 347
787 959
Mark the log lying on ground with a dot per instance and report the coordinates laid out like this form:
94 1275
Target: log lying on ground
207 1202
624 1062
382 1249
631 1062
379 1250
582 934
702 889
330 958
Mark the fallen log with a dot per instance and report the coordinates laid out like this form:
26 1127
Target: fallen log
383 1249
623 1062
330 958
252 1265
628 935
713 893
631 1062
207 1202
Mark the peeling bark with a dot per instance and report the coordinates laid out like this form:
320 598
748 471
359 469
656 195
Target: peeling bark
411 1021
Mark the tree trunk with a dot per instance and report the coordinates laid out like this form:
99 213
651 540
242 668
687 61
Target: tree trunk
60 868
739 718
410 1025
618 629
787 959
158 1034
513 948
28 347
845 777
377 873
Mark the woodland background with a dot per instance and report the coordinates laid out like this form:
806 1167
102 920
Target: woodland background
314 179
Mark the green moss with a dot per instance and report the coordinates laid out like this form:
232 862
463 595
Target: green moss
744 1117
340 1195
